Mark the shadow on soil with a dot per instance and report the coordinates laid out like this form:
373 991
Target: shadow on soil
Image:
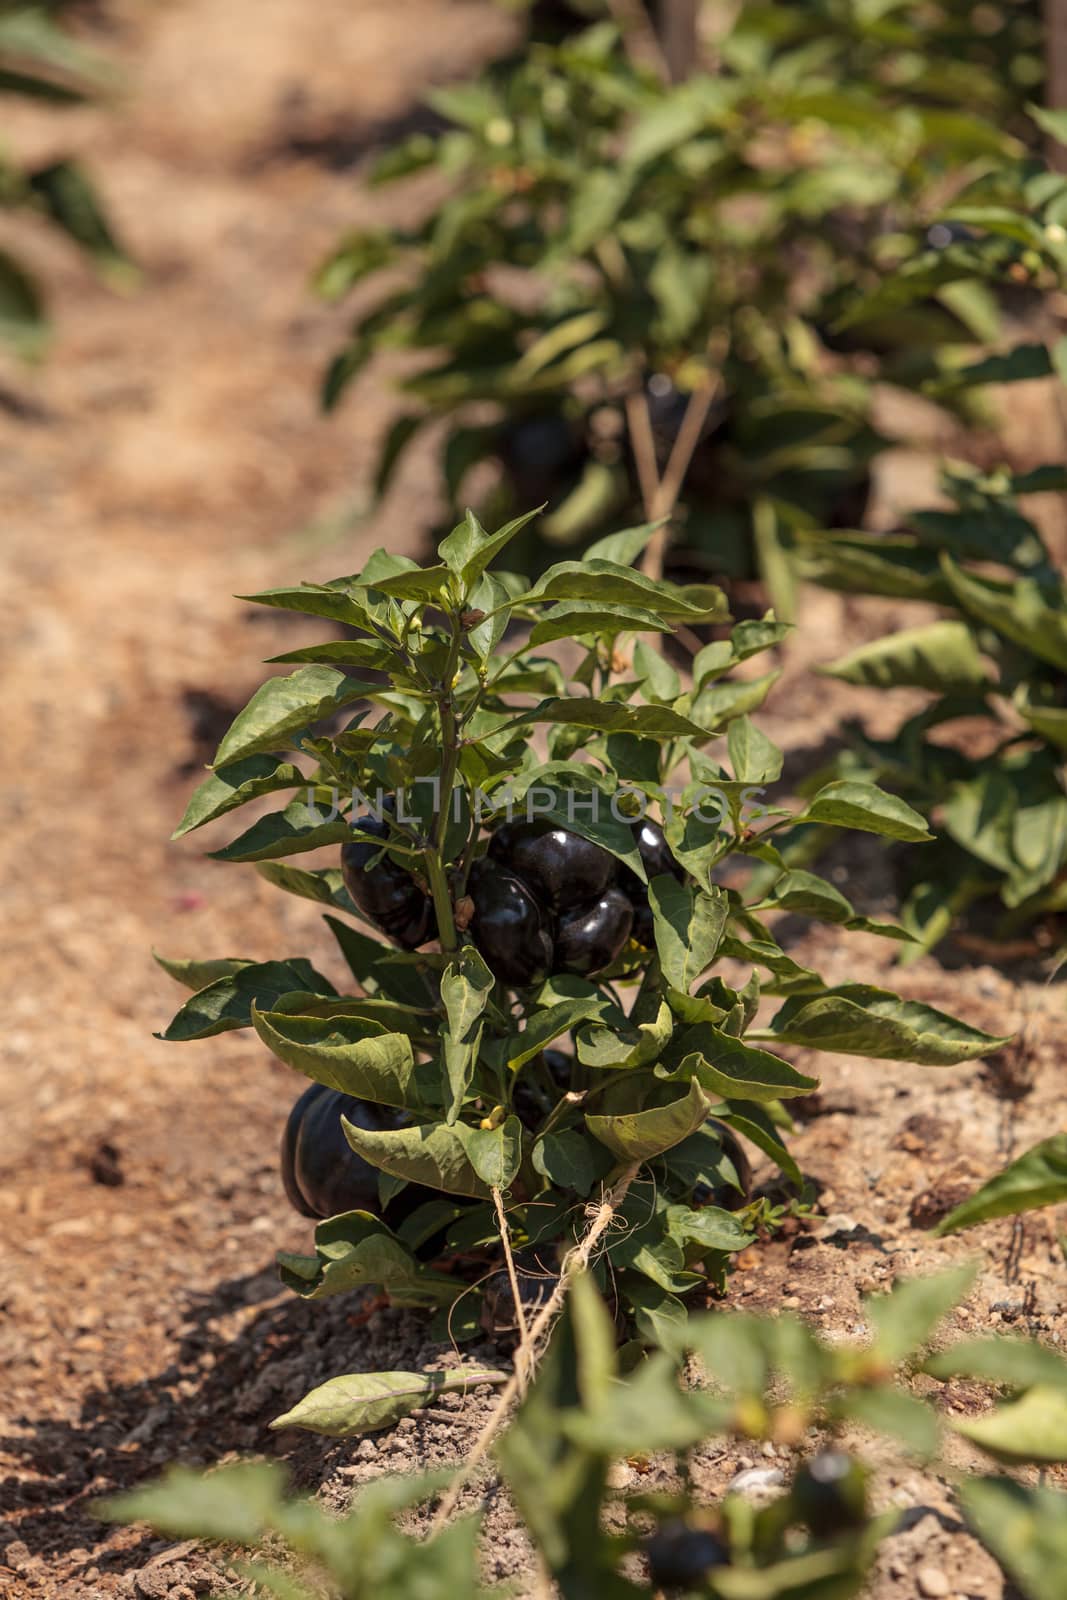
217 1395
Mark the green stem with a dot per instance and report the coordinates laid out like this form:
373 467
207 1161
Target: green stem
435 862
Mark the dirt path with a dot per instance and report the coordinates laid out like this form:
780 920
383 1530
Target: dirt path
167 457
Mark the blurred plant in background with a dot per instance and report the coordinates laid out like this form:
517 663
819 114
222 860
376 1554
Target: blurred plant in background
633 291
42 59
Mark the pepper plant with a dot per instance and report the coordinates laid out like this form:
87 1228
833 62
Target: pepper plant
41 60
628 278
814 1533
466 701
995 661
996 658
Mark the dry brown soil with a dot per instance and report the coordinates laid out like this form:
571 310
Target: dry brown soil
168 456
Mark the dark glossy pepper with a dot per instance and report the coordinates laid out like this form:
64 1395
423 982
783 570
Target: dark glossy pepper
830 1493
563 869
321 1172
509 927
679 1556
656 859
589 939
386 894
322 1175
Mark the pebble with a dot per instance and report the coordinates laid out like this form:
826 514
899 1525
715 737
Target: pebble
757 1484
932 1583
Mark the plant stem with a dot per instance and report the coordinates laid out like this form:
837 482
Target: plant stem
575 1261
435 862
513 1279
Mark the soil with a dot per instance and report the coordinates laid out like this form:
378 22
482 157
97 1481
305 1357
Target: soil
167 456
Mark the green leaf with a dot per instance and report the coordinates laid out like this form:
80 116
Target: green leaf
624 547
1024 363
545 1025
468 549
894 566
1053 122
332 600
401 433
753 1122
1030 1429
237 1502
991 532
634 1046
710 1227
655 722
466 985
658 678
942 656
300 827
23 321
1017 1363
858 1019
232 786
905 1319
282 707
567 1160
610 583
563 336
356 1250
1048 721
63 190
583 618
674 120
1027 611
1037 1178
809 896
891 1411
325 885
363 1402
754 757
1025 1528
439 1156
847 803
640 1135
420 584
495 1153
363 653
229 1001
689 924
726 1066
352 1054
197 975
717 703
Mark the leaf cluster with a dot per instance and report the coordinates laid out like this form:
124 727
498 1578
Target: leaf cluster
450 693
997 657
607 235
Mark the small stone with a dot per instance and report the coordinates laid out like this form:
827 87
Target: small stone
761 1485
791 1302
620 1475
932 1583
17 1555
